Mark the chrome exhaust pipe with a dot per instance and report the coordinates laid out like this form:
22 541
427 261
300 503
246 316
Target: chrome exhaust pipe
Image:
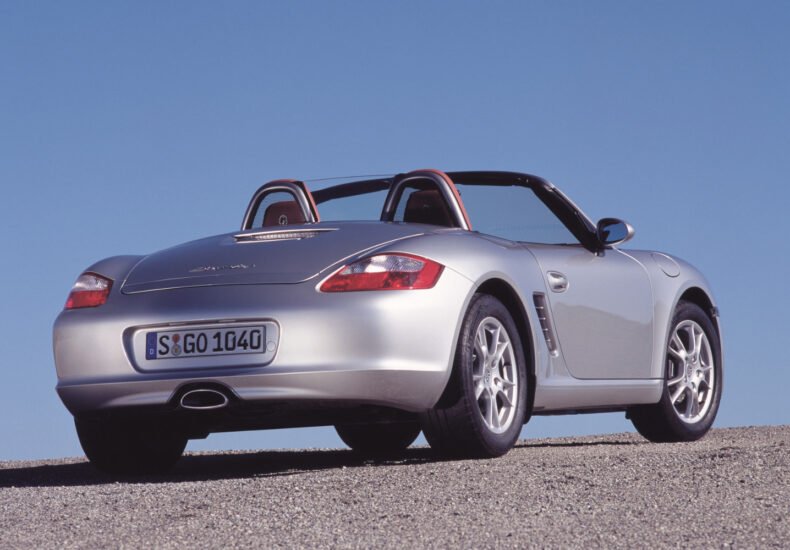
203 399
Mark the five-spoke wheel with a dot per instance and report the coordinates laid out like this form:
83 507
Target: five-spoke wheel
693 381
691 377
495 374
484 405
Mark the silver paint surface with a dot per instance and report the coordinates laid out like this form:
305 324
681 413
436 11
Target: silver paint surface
392 348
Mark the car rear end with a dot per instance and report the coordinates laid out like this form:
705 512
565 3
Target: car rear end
218 325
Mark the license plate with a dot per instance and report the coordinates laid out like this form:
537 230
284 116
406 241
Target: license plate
201 343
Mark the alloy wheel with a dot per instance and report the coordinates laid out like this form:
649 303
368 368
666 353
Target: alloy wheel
494 374
690 372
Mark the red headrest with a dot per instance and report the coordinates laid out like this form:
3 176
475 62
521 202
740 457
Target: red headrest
283 213
429 207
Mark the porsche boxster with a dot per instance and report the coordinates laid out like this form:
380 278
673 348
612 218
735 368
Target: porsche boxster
457 304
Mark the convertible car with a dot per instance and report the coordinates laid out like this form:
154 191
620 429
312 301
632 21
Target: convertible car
457 304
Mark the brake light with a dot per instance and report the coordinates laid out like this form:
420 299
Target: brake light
385 272
90 290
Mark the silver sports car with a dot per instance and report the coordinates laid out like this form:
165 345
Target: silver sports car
457 304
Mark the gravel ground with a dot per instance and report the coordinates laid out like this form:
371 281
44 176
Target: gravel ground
730 489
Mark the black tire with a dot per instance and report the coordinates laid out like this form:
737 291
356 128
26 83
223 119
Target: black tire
455 427
379 439
661 422
130 447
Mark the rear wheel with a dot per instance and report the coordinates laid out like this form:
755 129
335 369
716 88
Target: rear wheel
130 447
484 406
692 382
380 439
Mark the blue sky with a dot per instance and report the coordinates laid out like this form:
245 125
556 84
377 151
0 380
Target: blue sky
130 127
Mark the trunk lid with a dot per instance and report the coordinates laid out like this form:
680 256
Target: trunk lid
276 256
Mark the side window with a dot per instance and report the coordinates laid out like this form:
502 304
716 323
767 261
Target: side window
513 212
278 208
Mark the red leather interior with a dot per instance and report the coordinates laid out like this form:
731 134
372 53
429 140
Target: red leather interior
428 207
453 188
283 213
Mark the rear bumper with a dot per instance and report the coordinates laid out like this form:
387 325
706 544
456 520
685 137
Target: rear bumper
391 348
411 391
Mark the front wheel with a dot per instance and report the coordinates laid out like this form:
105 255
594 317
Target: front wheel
130 447
692 383
484 406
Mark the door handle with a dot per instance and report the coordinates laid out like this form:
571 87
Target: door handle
557 281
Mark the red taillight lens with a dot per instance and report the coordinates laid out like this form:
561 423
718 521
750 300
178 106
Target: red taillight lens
385 272
90 290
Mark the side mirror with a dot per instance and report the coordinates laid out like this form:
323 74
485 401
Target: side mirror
612 231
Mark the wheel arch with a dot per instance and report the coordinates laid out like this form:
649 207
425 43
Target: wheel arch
699 297
505 293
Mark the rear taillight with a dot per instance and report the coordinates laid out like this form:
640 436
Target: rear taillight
90 290
385 272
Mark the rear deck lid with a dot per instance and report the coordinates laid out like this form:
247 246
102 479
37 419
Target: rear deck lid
279 256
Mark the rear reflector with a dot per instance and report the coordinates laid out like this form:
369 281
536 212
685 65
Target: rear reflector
90 290
385 272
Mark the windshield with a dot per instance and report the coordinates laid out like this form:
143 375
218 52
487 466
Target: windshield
513 212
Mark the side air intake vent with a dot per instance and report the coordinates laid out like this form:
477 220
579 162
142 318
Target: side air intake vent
544 317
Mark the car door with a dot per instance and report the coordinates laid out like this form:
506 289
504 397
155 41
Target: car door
600 298
602 307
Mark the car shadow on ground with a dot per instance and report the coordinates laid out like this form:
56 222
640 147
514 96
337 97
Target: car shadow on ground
205 466
551 444
232 465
